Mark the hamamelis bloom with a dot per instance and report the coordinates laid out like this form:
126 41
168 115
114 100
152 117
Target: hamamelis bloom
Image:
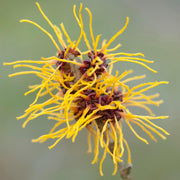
83 93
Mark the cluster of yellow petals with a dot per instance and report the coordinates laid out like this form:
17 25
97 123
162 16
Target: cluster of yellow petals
59 107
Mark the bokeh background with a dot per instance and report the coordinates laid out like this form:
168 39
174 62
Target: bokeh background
154 29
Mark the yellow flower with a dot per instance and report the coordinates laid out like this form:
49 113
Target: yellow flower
84 93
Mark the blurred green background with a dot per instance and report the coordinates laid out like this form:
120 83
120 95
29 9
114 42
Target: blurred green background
154 29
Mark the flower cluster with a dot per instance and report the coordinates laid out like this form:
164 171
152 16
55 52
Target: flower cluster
84 93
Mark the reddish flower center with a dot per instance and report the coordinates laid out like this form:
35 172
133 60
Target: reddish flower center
92 100
88 63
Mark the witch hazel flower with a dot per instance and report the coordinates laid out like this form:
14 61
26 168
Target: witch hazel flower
83 93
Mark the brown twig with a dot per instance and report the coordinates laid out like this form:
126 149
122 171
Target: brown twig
124 171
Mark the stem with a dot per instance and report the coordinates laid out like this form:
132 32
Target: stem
124 170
